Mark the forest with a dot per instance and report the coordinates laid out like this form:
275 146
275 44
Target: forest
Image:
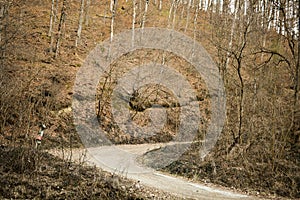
253 43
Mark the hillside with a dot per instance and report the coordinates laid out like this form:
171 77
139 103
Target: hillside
258 151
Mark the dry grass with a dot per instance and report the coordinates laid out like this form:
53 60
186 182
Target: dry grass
33 174
37 88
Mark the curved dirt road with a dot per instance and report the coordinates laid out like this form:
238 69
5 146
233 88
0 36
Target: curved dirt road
121 159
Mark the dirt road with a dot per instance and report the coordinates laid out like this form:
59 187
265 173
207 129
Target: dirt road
121 159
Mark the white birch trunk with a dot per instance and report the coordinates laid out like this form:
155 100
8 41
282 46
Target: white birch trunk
140 6
210 4
182 11
174 16
113 20
80 21
206 5
245 7
188 15
51 18
53 25
276 19
236 8
112 2
87 12
271 17
160 5
221 6
145 14
170 11
133 22
200 4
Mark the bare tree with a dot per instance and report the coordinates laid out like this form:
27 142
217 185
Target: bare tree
171 10
236 10
145 14
113 15
188 14
11 26
53 19
111 8
286 19
160 5
195 22
235 54
133 21
80 21
87 12
61 27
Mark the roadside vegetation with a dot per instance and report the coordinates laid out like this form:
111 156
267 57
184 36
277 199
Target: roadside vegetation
255 46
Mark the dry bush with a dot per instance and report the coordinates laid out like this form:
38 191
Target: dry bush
30 174
146 96
265 159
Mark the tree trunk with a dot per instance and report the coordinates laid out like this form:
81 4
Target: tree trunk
145 14
170 12
80 21
236 9
51 18
113 13
54 19
87 12
133 21
187 15
195 23
174 16
160 5
112 2
61 27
